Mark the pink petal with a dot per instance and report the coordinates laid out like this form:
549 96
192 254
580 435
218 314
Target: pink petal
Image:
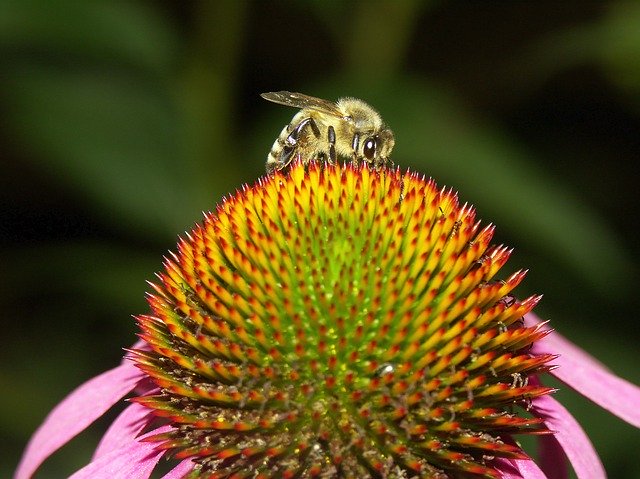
133 461
123 430
571 438
77 411
139 344
553 460
180 470
518 469
590 377
146 385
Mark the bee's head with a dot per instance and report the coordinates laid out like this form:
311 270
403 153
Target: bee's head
376 148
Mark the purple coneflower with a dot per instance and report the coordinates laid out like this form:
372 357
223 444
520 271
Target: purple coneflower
335 321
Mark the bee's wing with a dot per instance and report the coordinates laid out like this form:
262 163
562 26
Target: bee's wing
300 100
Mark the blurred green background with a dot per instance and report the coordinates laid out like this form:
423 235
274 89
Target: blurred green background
120 122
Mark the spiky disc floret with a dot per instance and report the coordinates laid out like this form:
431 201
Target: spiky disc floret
335 321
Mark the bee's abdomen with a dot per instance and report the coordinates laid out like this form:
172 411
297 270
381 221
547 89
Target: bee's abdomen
274 158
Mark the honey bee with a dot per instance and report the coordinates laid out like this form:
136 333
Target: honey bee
324 130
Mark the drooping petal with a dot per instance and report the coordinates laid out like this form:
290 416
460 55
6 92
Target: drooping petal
570 436
75 413
553 460
518 469
123 430
590 377
180 470
139 344
133 461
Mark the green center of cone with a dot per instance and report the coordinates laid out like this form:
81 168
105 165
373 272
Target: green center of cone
339 322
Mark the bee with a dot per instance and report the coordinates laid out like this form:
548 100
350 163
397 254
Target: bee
324 130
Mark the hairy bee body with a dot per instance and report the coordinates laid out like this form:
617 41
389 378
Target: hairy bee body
324 130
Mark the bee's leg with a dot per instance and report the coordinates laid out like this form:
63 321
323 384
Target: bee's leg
291 141
286 156
354 146
331 136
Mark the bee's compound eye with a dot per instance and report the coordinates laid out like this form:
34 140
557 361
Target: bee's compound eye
369 148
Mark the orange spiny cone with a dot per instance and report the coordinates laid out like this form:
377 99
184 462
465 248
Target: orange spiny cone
335 321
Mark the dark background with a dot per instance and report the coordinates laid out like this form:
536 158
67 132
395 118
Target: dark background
120 122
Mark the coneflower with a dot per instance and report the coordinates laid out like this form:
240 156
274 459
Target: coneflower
336 321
